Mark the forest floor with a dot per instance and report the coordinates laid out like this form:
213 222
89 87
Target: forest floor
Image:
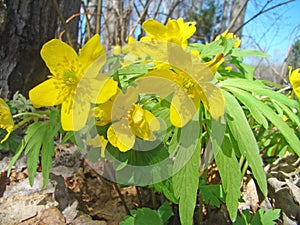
77 194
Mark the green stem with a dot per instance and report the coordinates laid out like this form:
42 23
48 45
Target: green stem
153 197
29 114
241 162
201 204
245 167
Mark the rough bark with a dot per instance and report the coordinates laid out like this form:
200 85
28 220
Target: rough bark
24 27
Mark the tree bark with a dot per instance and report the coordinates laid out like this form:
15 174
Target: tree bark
237 16
24 27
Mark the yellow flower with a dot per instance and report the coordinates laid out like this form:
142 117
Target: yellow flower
117 50
189 82
295 80
75 81
98 142
129 121
227 35
175 31
6 120
215 62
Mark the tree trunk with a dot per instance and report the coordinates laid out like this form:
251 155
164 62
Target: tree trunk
237 16
24 27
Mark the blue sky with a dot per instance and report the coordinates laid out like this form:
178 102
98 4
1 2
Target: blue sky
273 31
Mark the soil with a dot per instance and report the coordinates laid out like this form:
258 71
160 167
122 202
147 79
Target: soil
77 194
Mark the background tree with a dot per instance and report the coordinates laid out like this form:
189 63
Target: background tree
25 26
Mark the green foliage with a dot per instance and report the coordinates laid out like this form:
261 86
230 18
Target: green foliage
260 218
146 216
212 194
39 140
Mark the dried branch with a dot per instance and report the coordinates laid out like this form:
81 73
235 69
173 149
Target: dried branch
98 21
63 22
141 17
262 11
172 10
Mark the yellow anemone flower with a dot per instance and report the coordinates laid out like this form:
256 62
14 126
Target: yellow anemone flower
175 31
295 80
139 123
6 120
189 82
129 121
75 81
227 35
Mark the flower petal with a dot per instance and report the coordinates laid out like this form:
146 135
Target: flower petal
91 51
6 120
215 102
182 109
295 81
154 28
74 113
58 56
103 89
120 136
46 94
98 141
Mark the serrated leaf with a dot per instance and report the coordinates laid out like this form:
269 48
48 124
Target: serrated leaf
165 212
185 182
237 52
146 216
265 217
241 131
212 194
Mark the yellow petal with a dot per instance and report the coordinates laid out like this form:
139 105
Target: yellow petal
91 51
117 50
187 29
120 136
98 141
47 93
58 56
106 88
295 81
154 28
215 100
6 120
74 113
215 62
182 109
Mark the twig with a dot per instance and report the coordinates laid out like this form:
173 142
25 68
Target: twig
88 24
142 17
172 10
237 16
121 197
263 10
63 22
98 21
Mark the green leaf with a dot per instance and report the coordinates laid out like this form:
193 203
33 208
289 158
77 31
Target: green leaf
146 216
242 133
212 49
265 217
237 52
281 125
185 182
166 187
247 100
259 88
165 212
212 194
229 170
244 218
